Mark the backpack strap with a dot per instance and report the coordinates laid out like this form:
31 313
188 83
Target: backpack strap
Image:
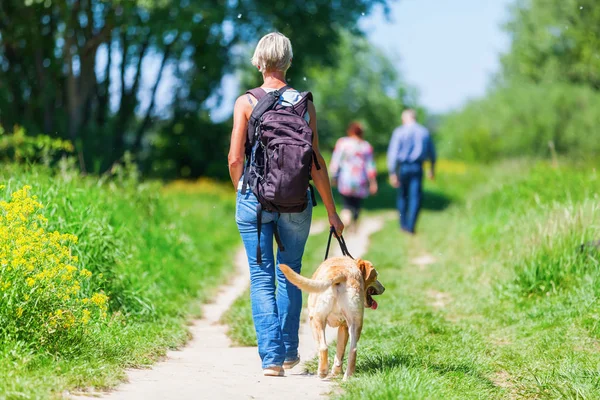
258 93
301 107
266 101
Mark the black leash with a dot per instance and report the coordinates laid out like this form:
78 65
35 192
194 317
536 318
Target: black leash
340 240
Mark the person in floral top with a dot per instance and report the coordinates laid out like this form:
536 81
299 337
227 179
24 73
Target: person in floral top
353 170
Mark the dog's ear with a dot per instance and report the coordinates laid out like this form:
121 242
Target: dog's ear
368 271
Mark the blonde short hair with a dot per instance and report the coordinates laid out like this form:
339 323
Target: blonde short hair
273 53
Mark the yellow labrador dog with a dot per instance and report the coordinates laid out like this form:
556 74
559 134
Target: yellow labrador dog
339 290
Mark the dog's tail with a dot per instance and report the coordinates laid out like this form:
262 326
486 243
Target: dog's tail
307 284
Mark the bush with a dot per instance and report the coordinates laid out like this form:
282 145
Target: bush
191 147
18 146
525 120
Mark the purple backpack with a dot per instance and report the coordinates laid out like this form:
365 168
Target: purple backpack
279 156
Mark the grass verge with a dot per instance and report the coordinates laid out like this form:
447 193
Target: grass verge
508 307
148 251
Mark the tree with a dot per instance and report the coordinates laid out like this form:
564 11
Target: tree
554 40
365 86
78 69
50 54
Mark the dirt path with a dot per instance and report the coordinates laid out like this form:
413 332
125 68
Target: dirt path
208 367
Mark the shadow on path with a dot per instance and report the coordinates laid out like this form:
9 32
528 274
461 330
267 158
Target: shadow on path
385 199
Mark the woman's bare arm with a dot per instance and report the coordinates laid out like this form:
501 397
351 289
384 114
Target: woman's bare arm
241 114
321 177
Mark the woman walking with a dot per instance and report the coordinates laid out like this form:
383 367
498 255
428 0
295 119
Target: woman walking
353 171
276 313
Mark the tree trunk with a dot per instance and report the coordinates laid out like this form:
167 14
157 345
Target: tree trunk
73 102
103 92
44 94
148 117
118 131
129 98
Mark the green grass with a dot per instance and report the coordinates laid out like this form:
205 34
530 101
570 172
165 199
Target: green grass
510 308
156 259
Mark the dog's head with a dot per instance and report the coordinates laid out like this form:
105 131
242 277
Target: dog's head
372 286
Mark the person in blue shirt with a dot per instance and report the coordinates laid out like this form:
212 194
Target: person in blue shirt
410 146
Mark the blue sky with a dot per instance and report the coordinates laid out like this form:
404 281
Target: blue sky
447 49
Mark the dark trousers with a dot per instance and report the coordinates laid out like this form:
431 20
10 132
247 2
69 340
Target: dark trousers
353 204
409 194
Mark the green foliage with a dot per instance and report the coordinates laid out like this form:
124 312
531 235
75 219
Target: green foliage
546 101
525 120
189 147
364 86
313 26
142 245
19 147
554 41
62 69
93 72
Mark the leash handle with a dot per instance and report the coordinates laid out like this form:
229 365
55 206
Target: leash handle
341 241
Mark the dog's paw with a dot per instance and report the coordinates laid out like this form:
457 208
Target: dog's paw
337 370
323 374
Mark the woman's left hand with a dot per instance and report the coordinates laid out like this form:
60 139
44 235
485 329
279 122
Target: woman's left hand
336 222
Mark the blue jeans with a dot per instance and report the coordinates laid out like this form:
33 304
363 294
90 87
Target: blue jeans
276 315
409 194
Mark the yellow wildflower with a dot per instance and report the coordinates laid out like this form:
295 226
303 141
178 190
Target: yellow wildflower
99 299
85 273
86 316
30 256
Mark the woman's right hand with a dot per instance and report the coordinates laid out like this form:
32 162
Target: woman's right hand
336 222
373 188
